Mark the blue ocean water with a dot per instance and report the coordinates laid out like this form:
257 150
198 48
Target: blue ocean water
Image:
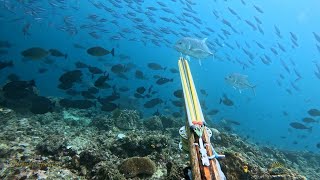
138 30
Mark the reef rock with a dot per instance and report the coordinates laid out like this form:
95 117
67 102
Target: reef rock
126 119
136 166
153 123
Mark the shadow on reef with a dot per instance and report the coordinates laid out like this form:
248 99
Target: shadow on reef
73 144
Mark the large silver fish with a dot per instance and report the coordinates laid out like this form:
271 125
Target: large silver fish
239 82
193 47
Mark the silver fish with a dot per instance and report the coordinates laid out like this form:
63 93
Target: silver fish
193 47
239 82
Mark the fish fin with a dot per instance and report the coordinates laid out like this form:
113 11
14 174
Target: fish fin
212 56
189 46
220 101
199 62
188 57
204 40
254 89
112 52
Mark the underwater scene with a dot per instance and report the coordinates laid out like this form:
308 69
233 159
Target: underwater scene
92 89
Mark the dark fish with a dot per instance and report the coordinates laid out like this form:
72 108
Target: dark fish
42 70
293 36
316 36
318 145
213 112
35 53
4 64
108 107
118 68
101 82
257 19
57 53
298 125
314 112
87 95
18 89
140 90
72 92
48 60
156 76
173 70
260 30
80 65
77 104
65 86
251 25
309 120
260 45
178 103
139 75
95 70
226 101
108 99
71 76
99 51
93 90
176 114
152 103
278 33
5 44
78 46
258 9
41 105
282 48
274 51
178 93
203 92
13 77
163 80
17 85
155 66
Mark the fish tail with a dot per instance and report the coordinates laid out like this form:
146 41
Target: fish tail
112 52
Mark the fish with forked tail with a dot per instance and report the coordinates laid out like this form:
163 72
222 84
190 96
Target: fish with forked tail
193 47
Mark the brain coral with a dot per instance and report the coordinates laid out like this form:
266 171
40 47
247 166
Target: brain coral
135 166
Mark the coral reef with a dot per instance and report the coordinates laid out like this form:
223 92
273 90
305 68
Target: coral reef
153 123
144 144
136 166
126 119
49 146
